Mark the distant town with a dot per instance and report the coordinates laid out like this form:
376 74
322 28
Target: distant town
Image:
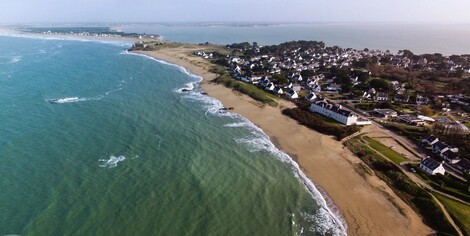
102 32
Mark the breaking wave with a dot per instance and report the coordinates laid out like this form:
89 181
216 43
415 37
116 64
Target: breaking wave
325 221
328 219
112 161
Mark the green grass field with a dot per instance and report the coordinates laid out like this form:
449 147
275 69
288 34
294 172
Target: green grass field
395 157
459 212
248 89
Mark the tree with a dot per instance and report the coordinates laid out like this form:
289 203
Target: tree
379 84
280 79
425 110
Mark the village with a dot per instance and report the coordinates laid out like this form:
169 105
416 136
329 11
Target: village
364 87
405 116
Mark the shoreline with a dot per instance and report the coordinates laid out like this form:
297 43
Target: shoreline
366 203
16 33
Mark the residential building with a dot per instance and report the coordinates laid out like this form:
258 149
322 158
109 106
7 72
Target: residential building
430 140
450 156
334 112
386 113
463 165
432 166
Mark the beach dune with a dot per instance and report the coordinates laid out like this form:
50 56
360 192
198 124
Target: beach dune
366 203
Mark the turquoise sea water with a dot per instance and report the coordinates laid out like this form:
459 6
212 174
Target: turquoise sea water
419 38
96 141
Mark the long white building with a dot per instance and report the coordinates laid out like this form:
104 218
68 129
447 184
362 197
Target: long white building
334 112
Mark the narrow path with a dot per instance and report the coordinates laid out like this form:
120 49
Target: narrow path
449 218
425 187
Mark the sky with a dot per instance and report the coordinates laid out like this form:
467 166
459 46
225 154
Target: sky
71 11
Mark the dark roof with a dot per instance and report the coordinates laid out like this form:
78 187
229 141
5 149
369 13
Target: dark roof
341 111
334 108
450 154
464 164
440 145
430 163
430 138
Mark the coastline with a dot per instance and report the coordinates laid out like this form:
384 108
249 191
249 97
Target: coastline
366 203
16 33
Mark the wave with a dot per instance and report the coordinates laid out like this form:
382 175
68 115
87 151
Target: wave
96 98
65 100
236 125
112 162
11 60
328 218
16 59
72 99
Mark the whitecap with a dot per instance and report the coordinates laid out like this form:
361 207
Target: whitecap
236 125
64 100
16 59
112 161
328 214
260 142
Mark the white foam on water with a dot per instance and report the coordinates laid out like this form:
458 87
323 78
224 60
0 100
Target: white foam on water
329 221
236 125
160 140
84 99
112 162
64 100
72 99
16 59
188 86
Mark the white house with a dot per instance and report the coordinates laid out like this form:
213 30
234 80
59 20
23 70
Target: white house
292 94
430 140
440 147
278 90
334 112
311 97
270 87
381 97
316 88
432 167
450 156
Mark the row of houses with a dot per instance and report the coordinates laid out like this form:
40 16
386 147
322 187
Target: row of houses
447 152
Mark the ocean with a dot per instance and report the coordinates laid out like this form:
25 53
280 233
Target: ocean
98 141
447 39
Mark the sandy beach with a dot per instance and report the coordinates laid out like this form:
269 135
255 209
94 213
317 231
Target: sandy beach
366 203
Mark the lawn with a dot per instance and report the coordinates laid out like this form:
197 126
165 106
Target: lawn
395 157
248 89
459 212
447 184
